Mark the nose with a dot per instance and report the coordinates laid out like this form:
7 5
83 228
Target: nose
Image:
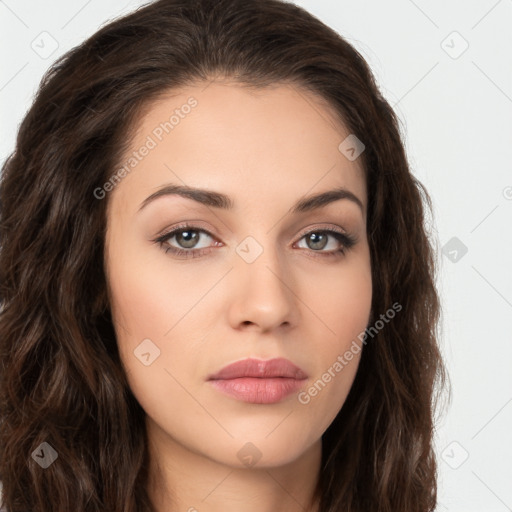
264 296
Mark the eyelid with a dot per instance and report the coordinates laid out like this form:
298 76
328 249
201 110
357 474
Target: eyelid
192 225
324 227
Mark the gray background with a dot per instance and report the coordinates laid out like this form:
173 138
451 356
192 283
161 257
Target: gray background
455 105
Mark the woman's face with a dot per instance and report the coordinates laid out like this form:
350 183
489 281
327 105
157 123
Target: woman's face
248 281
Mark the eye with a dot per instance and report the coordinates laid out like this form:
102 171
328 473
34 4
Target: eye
317 240
187 238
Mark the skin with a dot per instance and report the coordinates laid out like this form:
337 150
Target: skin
266 149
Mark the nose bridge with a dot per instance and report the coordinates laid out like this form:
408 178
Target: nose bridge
264 289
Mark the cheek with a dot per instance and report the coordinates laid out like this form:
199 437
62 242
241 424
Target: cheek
153 300
342 301
153 337
342 306
149 296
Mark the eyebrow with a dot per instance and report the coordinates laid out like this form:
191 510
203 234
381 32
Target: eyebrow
222 201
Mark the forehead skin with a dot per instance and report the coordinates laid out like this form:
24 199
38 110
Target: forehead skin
265 146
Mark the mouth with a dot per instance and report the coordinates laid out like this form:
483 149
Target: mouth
259 382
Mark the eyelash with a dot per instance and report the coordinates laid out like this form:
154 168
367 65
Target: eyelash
347 241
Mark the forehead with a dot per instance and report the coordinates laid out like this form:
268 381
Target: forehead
269 143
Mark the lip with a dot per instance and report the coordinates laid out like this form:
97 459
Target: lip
258 381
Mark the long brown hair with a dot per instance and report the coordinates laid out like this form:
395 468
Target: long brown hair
61 380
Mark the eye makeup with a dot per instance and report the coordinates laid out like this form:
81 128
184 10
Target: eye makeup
345 241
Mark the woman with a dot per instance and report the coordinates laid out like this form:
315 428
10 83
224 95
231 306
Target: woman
217 288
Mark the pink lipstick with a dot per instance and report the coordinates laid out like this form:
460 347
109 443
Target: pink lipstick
259 382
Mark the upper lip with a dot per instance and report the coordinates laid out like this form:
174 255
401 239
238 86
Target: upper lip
258 368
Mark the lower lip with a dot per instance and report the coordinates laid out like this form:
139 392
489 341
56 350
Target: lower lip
257 390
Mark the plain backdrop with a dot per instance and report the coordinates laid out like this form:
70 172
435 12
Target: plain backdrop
446 69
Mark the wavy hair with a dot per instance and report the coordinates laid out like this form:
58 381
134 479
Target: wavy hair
61 379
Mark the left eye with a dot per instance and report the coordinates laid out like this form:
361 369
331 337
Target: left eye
319 239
